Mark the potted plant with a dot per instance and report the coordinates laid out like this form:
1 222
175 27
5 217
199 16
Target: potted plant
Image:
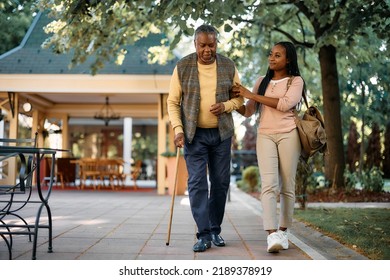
182 174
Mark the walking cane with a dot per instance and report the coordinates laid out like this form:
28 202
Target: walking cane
173 196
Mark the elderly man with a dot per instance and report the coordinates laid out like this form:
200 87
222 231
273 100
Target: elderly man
199 108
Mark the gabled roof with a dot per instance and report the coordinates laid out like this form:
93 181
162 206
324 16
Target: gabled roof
31 58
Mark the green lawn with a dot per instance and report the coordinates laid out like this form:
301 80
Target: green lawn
365 230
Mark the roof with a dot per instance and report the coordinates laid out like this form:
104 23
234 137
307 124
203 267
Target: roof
30 58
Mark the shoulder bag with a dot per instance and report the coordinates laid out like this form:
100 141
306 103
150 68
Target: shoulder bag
311 129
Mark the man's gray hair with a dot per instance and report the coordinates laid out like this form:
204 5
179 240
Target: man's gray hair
205 28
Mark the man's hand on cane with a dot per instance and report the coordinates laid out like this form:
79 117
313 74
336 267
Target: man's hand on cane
179 140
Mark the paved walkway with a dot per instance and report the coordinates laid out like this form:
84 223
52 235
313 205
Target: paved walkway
99 225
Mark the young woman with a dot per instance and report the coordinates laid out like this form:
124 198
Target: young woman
278 146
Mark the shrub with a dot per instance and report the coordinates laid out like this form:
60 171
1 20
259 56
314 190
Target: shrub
309 179
301 178
368 180
373 180
251 178
352 180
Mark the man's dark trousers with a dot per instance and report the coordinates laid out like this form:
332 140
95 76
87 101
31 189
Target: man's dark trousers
207 150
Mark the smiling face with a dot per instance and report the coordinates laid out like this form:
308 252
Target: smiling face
277 58
206 47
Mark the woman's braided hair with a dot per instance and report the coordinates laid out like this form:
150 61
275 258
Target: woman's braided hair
292 68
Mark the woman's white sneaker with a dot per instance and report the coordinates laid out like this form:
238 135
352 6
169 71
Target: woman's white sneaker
284 238
274 241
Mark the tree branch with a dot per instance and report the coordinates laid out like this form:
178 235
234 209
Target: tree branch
338 14
293 40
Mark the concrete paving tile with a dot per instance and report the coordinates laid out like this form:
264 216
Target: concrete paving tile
137 229
172 249
96 225
175 229
64 244
122 234
172 243
174 236
85 232
107 256
165 257
112 246
252 237
50 256
231 249
207 256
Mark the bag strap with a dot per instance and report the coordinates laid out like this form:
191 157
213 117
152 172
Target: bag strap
304 99
296 119
289 82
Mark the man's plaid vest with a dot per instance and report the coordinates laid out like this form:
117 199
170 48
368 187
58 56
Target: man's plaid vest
187 69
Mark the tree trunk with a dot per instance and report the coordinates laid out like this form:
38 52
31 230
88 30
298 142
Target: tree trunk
334 160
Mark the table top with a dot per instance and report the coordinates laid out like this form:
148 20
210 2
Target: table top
29 150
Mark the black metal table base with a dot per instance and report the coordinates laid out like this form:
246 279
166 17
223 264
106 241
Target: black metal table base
23 194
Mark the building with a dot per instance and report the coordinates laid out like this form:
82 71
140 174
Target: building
70 98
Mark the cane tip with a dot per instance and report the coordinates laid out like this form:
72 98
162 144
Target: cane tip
167 243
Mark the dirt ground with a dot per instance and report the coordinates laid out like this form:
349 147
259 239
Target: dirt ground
343 196
355 196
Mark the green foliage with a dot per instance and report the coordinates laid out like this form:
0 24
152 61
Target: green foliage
251 178
368 180
303 171
249 28
254 26
373 180
351 179
386 152
365 88
358 30
15 19
309 178
168 154
353 148
144 147
100 28
171 154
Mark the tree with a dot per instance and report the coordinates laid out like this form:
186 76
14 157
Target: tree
365 99
249 139
327 28
386 153
353 152
373 151
15 18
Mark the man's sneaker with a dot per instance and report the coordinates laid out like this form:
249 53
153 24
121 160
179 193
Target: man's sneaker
274 241
284 238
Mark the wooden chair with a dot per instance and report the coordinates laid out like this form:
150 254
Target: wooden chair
103 172
66 168
111 170
135 172
116 172
88 170
58 177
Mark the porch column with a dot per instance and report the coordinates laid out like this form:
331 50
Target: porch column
1 163
65 133
162 144
13 133
2 129
127 140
